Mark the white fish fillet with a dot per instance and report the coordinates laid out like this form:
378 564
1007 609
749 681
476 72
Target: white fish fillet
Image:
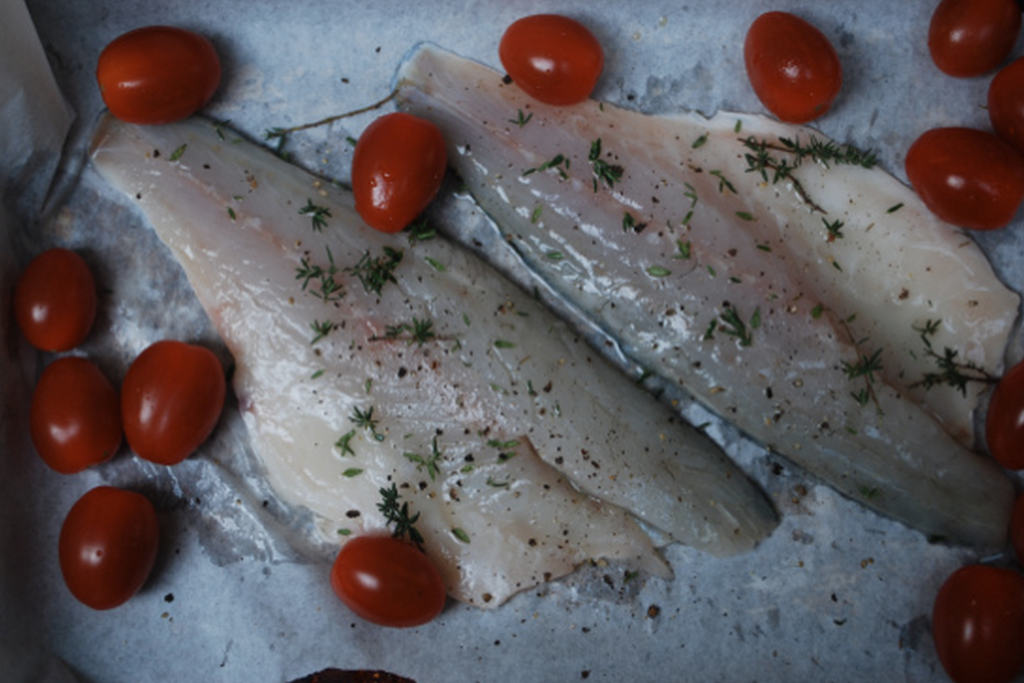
524 453
732 284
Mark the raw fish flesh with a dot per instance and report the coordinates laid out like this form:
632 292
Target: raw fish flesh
781 279
366 360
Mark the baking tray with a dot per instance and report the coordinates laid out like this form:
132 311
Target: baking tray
240 590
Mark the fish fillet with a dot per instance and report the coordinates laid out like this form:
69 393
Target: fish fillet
808 300
366 360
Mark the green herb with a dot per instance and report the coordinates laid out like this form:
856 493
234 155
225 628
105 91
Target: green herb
817 311
218 127
422 331
629 223
778 160
502 344
732 324
700 142
328 288
317 374
497 484
321 330
609 174
559 162
178 153
764 247
344 532
344 443
745 215
365 420
723 183
374 273
435 264
352 472
398 515
954 373
430 462
894 208
555 255
460 534
739 126
866 366
684 249
521 120
507 448
318 214
658 271
835 229
535 214
420 231
231 213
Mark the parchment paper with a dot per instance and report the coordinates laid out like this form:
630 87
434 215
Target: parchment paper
240 592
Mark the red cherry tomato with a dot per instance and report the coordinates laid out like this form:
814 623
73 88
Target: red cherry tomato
171 398
978 624
1017 528
553 59
1006 103
1004 423
967 177
55 300
157 74
792 67
108 546
387 581
75 417
971 37
397 168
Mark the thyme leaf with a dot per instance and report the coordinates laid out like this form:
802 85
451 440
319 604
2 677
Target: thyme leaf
398 515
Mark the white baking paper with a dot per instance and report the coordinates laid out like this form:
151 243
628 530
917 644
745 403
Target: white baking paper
240 591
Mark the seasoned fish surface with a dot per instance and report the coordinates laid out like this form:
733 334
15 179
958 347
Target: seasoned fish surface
777 277
366 360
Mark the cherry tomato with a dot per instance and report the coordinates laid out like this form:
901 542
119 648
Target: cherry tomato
397 168
971 37
792 67
553 59
157 74
55 300
978 624
1017 528
1004 423
171 398
967 177
75 417
108 546
387 581
1006 103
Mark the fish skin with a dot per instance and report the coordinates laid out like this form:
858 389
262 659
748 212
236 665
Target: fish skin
748 304
484 427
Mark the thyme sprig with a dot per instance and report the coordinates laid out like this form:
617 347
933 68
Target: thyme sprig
364 419
730 323
776 161
318 214
420 331
374 273
398 515
951 371
609 174
559 162
864 367
324 285
430 462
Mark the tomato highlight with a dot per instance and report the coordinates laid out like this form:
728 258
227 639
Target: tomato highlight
387 581
171 399
157 74
74 417
971 37
55 300
967 177
108 546
792 67
552 58
397 168
978 624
